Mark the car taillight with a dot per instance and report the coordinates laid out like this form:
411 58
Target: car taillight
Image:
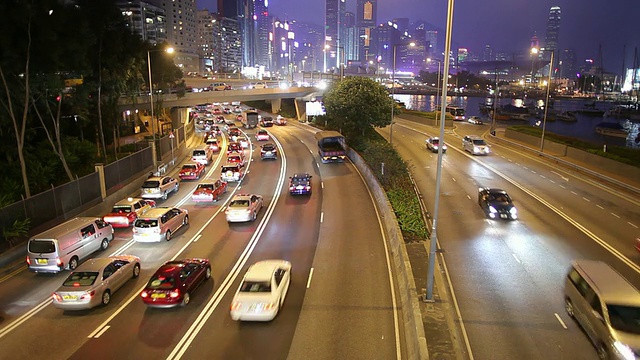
87 295
28 260
174 293
134 230
292 187
59 261
57 297
308 188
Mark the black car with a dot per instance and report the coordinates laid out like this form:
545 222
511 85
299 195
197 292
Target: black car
268 151
266 121
300 184
497 204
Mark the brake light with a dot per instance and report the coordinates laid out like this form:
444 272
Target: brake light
87 295
292 187
59 261
28 260
174 293
308 187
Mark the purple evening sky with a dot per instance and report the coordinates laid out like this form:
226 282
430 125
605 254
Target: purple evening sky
506 25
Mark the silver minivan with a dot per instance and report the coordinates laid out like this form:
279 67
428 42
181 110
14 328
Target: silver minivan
159 224
63 246
606 306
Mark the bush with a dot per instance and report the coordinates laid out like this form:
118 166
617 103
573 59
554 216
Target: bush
17 232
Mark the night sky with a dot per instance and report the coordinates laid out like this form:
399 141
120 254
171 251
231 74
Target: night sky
506 25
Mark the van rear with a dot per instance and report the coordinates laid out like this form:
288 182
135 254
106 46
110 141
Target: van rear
43 255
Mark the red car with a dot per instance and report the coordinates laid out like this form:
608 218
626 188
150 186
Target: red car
191 171
213 145
220 119
173 282
236 158
125 212
234 147
217 111
209 191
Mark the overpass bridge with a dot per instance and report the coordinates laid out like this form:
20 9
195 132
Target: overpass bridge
272 95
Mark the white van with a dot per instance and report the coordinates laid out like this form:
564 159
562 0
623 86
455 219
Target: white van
63 246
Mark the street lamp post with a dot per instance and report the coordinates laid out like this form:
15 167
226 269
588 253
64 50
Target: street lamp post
153 127
437 86
393 91
546 104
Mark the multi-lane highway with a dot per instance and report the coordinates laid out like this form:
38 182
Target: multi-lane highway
508 276
340 303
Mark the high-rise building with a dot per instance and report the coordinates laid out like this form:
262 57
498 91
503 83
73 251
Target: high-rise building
350 39
310 35
366 12
333 24
487 54
553 30
228 45
206 33
432 39
567 64
181 32
263 26
144 19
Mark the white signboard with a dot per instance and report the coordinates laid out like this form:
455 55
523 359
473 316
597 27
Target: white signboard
314 108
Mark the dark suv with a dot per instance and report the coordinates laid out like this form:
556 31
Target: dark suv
497 204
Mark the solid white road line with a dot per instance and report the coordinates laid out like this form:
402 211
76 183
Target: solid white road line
560 321
309 279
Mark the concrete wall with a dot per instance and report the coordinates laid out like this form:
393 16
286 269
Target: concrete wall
448 123
534 141
412 317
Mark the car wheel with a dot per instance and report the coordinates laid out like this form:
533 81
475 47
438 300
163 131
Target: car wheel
164 196
207 273
136 271
168 235
104 245
73 263
185 221
185 300
568 306
106 298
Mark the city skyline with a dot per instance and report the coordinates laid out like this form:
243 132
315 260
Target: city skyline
506 26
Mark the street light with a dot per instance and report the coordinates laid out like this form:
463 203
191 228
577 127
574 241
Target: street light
546 104
534 54
437 86
393 90
153 128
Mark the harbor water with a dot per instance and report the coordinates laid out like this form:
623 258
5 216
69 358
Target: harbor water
583 128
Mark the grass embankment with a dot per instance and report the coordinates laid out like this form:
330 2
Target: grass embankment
617 153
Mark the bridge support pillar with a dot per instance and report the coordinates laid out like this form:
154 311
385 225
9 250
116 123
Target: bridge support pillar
276 105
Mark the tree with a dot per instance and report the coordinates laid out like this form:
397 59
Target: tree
356 104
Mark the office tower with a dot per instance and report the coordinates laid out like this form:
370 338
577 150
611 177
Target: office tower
366 12
144 19
350 39
567 64
333 24
553 30
462 55
263 25
228 45
310 34
181 32
487 54
206 31
432 39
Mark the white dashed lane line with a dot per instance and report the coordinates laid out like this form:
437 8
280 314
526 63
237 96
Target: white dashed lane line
600 207
615 215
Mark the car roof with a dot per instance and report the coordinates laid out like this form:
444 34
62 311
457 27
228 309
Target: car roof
474 137
94 264
263 270
242 197
191 164
612 287
232 164
301 175
155 212
128 201
156 178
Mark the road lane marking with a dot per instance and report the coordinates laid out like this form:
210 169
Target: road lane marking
574 193
321 217
322 184
553 182
515 257
600 207
454 179
12 274
560 175
26 316
542 176
560 321
585 199
632 224
102 331
615 215
562 186
309 279
468 197
197 238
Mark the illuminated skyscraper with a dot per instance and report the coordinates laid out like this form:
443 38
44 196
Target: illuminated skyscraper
553 29
333 24
181 32
366 11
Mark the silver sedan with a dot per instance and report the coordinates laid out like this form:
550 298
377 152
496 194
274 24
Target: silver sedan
92 283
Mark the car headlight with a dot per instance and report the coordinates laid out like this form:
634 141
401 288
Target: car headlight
513 211
492 209
625 351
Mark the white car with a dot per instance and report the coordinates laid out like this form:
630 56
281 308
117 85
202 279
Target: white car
260 85
262 291
244 207
475 145
474 120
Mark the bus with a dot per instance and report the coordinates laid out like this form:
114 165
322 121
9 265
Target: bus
456 112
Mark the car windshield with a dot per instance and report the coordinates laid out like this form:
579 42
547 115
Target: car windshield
41 246
151 184
234 158
146 223
120 209
239 204
268 147
435 141
229 168
503 198
189 167
162 282
625 318
198 153
478 142
81 278
255 286
205 187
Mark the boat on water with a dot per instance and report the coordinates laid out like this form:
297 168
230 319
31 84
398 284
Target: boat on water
631 112
590 109
611 129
